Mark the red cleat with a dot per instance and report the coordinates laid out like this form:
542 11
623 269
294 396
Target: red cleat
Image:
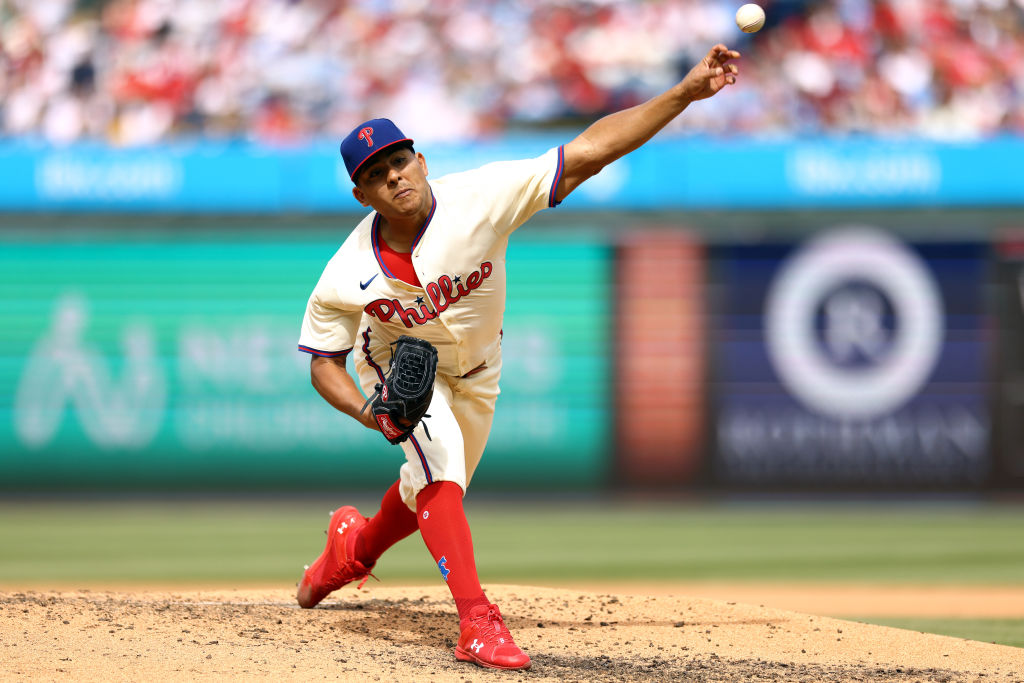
336 566
485 641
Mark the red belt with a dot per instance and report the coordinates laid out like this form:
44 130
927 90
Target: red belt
482 366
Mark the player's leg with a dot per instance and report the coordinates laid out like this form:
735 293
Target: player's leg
393 522
439 509
433 481
445 532
461 424
483 630
483 637
473 400
355 543
435 464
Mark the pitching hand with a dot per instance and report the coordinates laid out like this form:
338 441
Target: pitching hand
711 74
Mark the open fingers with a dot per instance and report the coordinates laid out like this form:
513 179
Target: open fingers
730 73
729 70
720 54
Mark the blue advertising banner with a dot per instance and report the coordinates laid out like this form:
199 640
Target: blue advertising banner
852 360
1008 406
667 173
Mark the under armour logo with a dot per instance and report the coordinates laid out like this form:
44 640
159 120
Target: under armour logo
365 134
444 570
476 646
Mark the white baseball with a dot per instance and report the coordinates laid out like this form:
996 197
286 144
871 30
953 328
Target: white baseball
750 18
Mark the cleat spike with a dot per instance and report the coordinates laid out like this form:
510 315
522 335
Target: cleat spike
305 567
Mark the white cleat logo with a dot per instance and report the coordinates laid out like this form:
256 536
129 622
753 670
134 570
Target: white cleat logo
341 529
476 646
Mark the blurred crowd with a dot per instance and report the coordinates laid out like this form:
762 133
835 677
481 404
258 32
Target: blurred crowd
283 72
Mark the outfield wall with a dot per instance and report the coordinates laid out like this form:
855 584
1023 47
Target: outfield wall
864 331
131 359
666 174
135 358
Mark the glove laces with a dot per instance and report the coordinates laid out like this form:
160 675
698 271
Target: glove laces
377 390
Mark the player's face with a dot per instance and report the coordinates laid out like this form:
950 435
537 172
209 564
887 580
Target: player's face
395 184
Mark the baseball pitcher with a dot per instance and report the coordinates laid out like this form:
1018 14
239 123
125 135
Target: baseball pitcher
415 297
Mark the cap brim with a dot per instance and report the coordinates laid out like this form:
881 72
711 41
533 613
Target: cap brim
355 171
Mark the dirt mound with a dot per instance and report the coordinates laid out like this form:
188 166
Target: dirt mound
407 633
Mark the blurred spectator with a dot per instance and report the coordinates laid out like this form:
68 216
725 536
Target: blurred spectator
286 71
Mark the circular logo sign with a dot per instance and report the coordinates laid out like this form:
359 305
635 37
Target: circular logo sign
854 324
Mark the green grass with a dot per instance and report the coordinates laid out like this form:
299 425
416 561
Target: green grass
522 542
801 543
999 631
265 542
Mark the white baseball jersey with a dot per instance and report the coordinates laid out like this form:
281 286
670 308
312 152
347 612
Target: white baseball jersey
459 259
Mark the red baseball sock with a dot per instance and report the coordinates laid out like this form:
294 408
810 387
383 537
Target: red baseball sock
445 530
390 525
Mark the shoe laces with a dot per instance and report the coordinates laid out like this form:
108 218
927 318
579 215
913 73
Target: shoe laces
347 573
366 577
493 626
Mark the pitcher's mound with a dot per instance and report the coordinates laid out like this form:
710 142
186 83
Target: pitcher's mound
408 634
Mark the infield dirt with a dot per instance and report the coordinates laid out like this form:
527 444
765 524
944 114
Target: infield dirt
408 633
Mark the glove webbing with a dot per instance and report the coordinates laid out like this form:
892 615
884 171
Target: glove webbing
408 382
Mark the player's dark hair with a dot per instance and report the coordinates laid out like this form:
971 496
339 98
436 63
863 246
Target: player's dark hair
373 158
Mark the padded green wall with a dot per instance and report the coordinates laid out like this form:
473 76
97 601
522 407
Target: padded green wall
159 359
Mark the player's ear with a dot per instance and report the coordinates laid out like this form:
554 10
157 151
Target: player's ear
360 196
423 162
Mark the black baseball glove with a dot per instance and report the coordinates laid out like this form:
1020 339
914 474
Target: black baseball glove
402 400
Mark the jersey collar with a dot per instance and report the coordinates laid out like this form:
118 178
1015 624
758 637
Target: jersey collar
375 235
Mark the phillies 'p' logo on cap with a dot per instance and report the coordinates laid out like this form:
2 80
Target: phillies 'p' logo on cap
367 139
